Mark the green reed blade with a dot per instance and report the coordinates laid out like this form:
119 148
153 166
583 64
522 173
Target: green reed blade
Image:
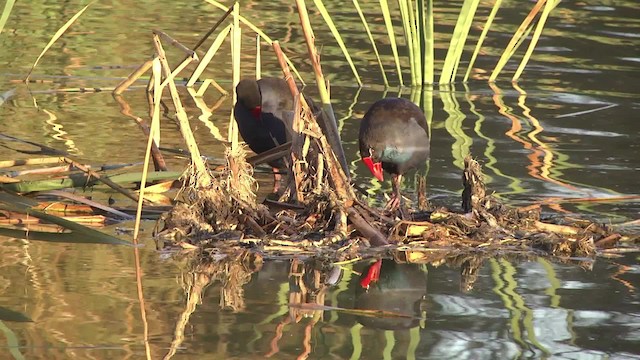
458 39
483 35
356 4
415 41
515 41
57 35
406 29
384 6
427 36
8 6
551 4
338 37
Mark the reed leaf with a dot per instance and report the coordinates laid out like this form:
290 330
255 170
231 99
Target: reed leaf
458 39
516 39
356 4
56 36
416 42
428 62
13 316
336 34
551 4
483 35
386 14
406 28
8 6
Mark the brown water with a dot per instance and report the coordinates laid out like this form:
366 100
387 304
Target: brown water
568 130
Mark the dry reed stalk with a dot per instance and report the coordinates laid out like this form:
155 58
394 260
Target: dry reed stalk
158 160
236 47
145 168
204 178
135 75
327 109
173 42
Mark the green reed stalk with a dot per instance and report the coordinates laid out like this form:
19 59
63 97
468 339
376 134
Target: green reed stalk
483 35
373 43
458 39
417 43
424 15
406 28
384 6
515 40
56 36
8 6
338 37
551 4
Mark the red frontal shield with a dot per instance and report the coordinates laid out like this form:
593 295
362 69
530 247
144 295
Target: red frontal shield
375 168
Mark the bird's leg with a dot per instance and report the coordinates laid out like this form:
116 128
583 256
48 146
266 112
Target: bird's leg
276 179
396 198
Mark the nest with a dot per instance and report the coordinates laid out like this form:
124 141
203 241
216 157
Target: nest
319 214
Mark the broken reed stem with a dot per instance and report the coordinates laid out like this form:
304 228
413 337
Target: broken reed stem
190 53
327 109
204 178
297 137
341 185
297 153
158 160
135 75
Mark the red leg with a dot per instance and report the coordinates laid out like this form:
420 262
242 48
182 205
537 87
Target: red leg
396 198
276 179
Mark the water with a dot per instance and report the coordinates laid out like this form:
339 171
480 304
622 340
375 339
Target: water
567 131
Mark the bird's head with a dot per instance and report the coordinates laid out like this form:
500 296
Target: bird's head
248 92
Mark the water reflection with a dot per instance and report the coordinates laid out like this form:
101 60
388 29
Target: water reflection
387 307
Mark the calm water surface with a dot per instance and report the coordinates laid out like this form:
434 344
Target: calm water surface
568 130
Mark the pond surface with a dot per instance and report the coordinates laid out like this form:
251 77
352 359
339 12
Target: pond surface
568 134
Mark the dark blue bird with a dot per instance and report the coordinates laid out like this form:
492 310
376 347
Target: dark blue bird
393 137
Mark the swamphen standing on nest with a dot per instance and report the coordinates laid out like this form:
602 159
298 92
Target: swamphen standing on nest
393 137
264 113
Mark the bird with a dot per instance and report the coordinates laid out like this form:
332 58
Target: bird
398 288
264 114
393 137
